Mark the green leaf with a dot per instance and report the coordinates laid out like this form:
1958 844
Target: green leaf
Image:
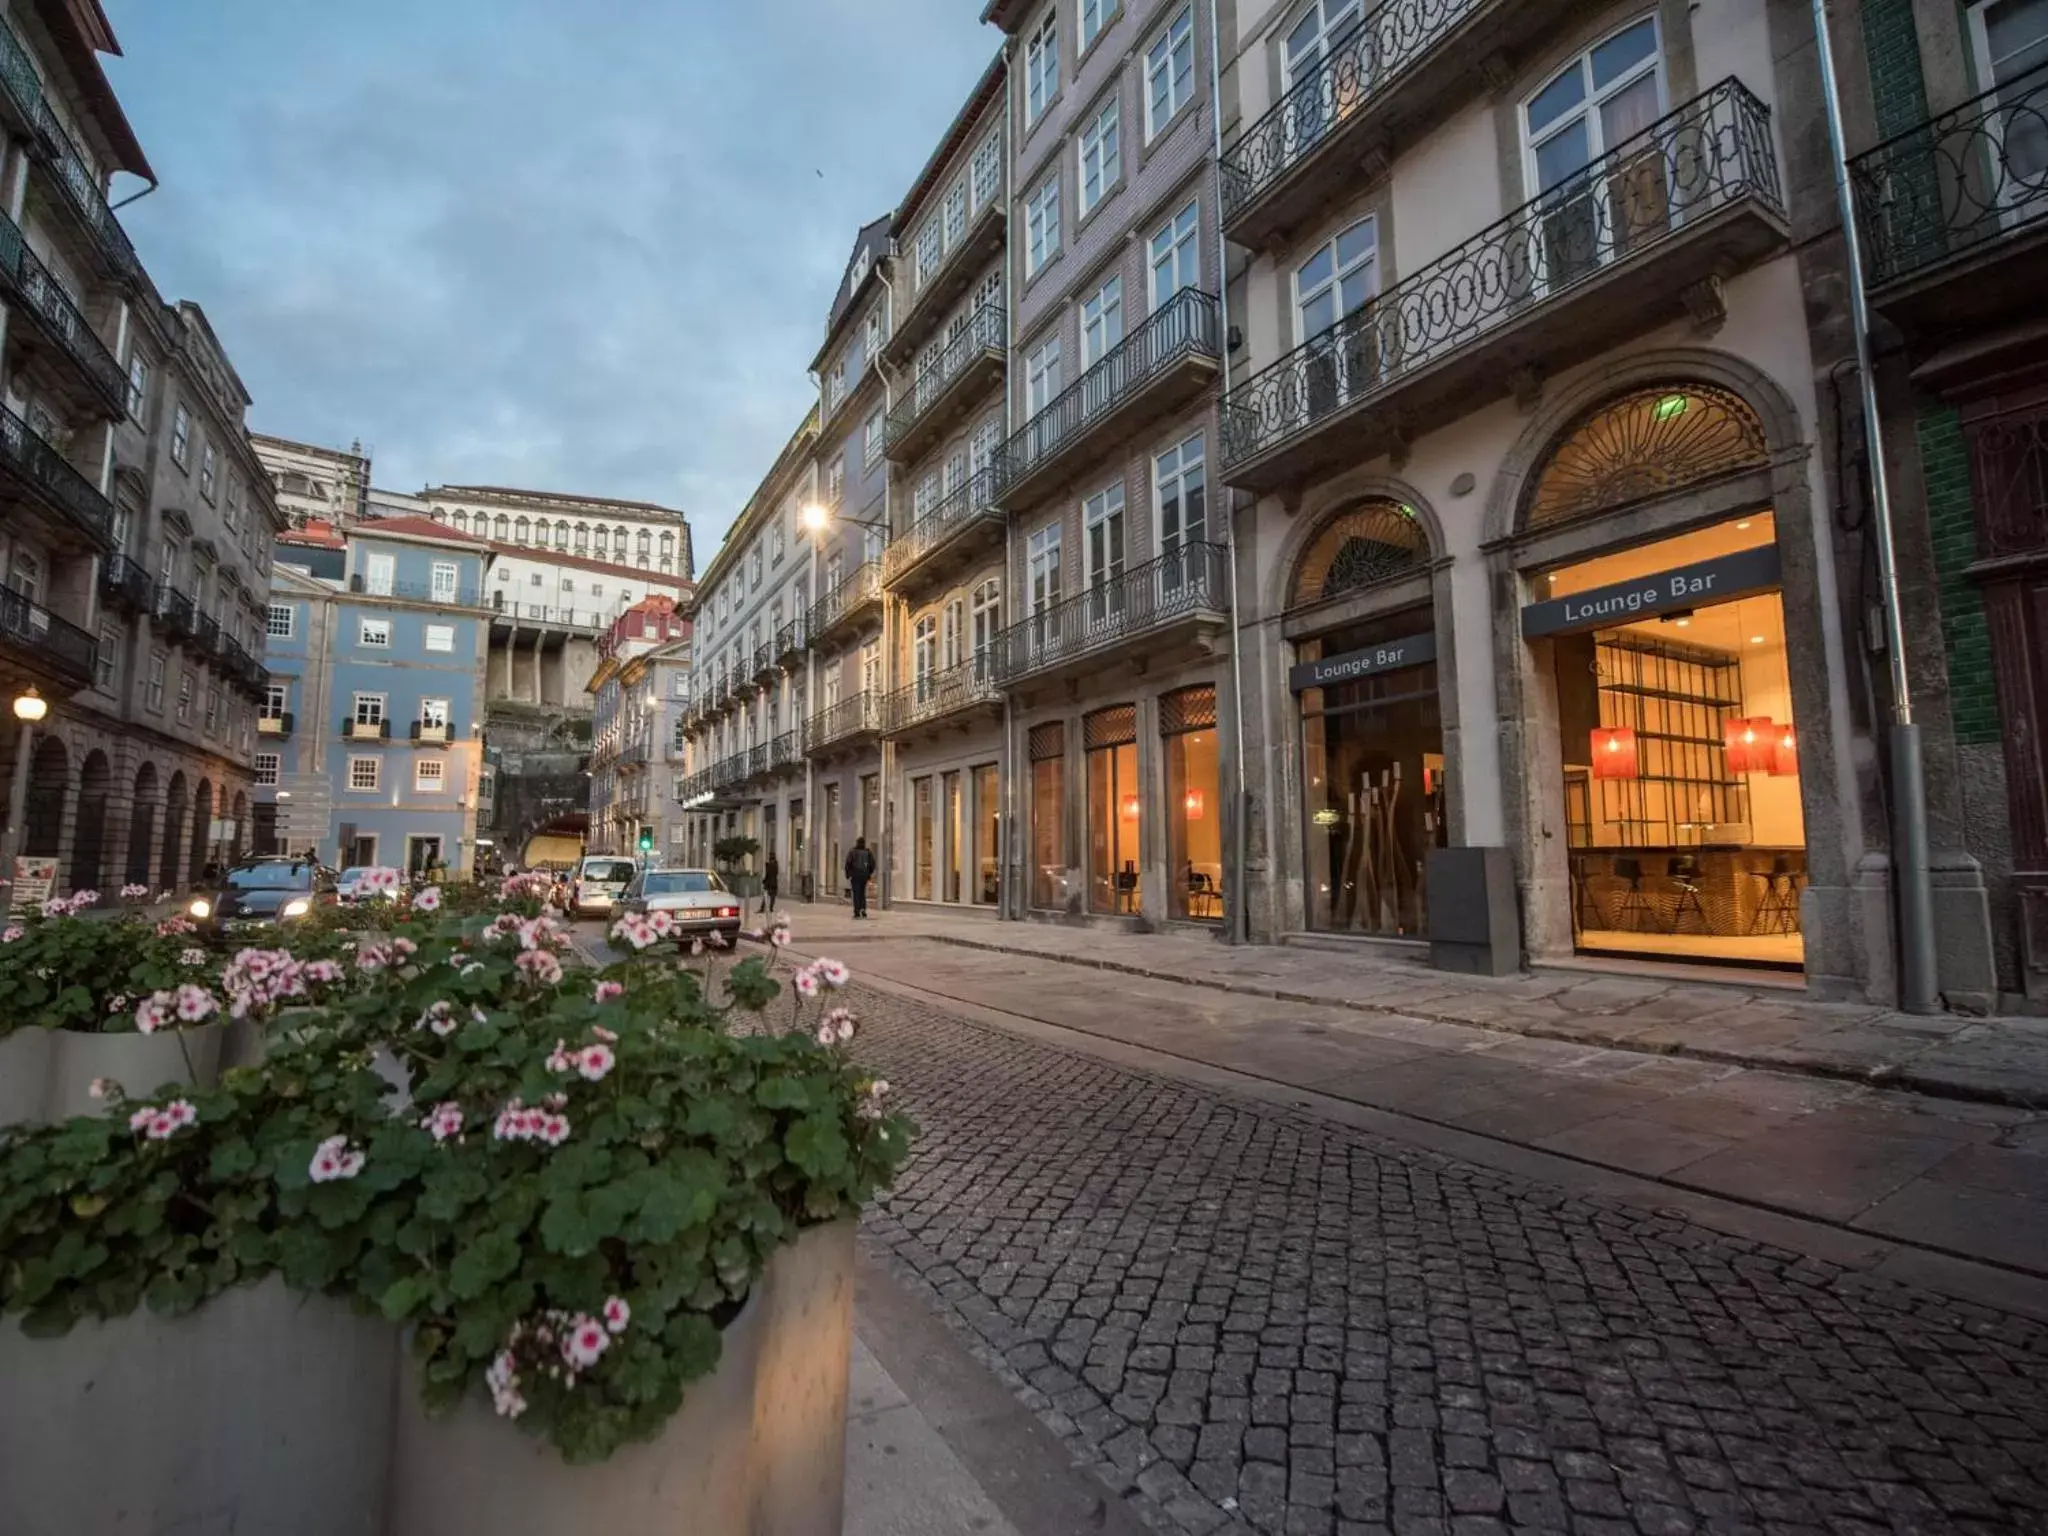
693 1344
232 1159
818 1146
489 1259
751 986
783 1093
403 1296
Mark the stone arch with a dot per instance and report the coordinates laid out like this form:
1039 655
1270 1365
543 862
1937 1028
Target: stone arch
1656 440
171 871
89 843
1333 500
240 816
141 827
202 825
49 777
1362 546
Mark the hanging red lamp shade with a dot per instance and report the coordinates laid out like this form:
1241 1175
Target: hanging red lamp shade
1614 753
1784 751
1130 807
1748 744
1193 805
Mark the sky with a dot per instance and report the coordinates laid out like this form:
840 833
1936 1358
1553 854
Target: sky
575 245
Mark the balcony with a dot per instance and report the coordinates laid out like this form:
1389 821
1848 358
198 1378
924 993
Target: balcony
49 651
435 734
1633 241
961 264
440 594
951 537
1165 362
279 726
36 477
956 696
847 724
244 670
84 197
206 634
767 663
790 641
1178 605
970 365
1406 67
90 379
1954 213
126 586
786 752
842 608
353 729
177 618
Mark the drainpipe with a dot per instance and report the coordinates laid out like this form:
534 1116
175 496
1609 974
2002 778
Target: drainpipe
1240 919
1919 985
1014 896
885 857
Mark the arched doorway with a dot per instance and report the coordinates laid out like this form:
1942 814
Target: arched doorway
202 826
141 827
171 872
42 833
89 839
240 816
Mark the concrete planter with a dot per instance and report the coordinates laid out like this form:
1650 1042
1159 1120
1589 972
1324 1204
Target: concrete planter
262 1411
47 1074
758 1448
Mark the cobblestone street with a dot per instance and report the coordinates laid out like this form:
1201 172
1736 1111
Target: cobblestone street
1247 1317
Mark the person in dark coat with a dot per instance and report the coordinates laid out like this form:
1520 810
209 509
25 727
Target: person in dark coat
860 869
771 877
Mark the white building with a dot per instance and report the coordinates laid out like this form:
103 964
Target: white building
329 485
636 533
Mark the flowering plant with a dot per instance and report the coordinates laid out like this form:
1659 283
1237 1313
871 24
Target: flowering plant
90 974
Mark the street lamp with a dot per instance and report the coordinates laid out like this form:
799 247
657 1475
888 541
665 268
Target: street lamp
29 707
818 518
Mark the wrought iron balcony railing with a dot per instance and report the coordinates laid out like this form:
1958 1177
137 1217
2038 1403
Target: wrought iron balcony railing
1186 581
1368 61
938 694
176 614
440 594
1709 154
984 333
29 460
126 584
757 760
787 750
854 592
970 503
789 640
1185 325
65 649
766 662
859 715
28 280
85 194
206 633
1957 183
18 78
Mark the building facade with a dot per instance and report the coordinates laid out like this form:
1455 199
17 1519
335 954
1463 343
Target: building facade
315 484
639 695
640 534
372 747
134 541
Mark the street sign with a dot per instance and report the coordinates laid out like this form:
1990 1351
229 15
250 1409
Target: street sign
1352 665
1741 574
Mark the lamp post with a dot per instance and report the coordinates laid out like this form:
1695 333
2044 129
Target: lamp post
29 707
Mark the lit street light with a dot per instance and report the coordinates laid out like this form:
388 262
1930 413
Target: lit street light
29 707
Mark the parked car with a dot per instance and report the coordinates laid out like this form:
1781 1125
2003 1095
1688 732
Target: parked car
349 887
599 883
697 900
263 893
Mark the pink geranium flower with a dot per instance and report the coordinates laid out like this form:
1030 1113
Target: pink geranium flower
444 1121
427 899
154 1012
805 982
333 1159
594 1061
605 991
617 1314
585 1341
832 972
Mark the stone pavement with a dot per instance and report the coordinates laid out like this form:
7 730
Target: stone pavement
1997 1060
1247 1316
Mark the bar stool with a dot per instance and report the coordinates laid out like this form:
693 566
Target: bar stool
1777 907
1684 872
1635 902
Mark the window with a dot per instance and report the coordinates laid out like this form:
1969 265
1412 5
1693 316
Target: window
1176 263
138 388
562 534
276 699
444 575
1102 321
1101 162
871 336
1170 71
364 774
441 638
986 173
1093 14
185 694
501 528
871 667
429 775
956 213
1042 226
1336 280
987 614
583 538
267 765
208 477
278 621
930 250
1605 96
1041 375
1042 67
778 540
1045 568
1102 521
835 385
104 657
212 710
1179 489
122 520
154 690
924 652
949 634
754 567
926 495
181 437
380 574
533 579
871 451
863 263
377 632
522 531
981 448
369 708
232 513
1325 27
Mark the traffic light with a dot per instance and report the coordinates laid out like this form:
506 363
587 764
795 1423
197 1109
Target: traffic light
646 840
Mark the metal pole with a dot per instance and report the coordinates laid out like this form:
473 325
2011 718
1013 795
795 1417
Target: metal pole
17 808
1919 987
1240 919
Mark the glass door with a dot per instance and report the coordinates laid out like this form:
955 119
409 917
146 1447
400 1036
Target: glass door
988 820
956 838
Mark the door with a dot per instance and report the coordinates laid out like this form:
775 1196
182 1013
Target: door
1334 318
379 574
444 581
1045 590
2009 45
1103 521
420 852
1327 93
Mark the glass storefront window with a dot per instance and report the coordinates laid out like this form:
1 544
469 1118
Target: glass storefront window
1194 805
1048 834
921 839
956 838
1113 812
988 822
871 808
835 857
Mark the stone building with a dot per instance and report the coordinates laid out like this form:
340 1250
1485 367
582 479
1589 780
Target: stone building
316 484
641 534
639 693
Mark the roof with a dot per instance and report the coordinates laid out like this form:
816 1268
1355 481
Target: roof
356 453
316 534
416 528
585 563
82 33
1007 14
874 240
985 89
483 492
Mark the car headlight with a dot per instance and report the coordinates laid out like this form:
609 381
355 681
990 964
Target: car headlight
201 908
298 906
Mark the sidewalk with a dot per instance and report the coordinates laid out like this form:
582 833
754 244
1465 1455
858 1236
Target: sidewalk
1993 1061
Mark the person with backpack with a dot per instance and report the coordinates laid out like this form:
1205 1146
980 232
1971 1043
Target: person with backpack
860 869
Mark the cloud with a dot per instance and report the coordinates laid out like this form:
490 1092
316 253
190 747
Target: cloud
537 242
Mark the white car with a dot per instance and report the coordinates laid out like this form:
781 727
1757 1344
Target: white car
351 887
599 884
696 899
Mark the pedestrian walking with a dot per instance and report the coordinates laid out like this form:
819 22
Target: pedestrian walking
860 869
771 877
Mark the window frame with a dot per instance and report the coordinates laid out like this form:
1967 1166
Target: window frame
1104 128
1107 312
369 708
358 761
291 621
438 776
181 437
1040 362
430 632
268 778
1178 245
1177 477
1042 225
1156 124
1042 68
363 632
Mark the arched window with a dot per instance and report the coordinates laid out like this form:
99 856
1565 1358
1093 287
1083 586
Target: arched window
461 522
583 538
988 619
1650 442
522 531
562 534
503 529
646 544
1373 542
604 541
619 540
925 650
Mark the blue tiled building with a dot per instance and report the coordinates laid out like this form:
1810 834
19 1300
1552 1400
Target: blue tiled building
370 746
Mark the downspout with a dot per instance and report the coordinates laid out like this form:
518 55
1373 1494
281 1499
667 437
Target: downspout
1240 928
1013 898
886 866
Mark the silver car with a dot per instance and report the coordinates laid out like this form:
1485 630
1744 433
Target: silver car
599 884
696 899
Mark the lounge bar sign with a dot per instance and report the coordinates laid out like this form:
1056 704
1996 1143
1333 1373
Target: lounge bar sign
1352 665
1742 574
